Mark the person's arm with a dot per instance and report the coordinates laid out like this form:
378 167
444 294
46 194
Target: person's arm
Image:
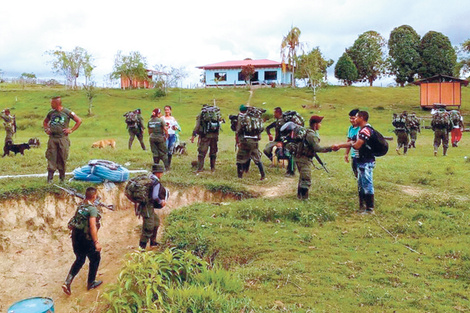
314 143
268 130
45 124
78 122
346 153
196 128
94 232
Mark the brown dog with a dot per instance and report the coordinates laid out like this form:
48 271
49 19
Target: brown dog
104 143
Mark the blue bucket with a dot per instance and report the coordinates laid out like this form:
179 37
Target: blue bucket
33 305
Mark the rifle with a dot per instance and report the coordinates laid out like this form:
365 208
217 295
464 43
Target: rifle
321 162
97 202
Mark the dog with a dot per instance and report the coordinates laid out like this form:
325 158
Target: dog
279 159
180 148
104 143
194 164
10 147
34 142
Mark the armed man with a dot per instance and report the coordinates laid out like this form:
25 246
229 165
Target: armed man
305 144
400 122
414 127
9 124
135 127
158 133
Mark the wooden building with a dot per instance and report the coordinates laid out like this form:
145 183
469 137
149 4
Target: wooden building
441 90
141 83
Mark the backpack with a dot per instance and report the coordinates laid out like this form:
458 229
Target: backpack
399 121
138 189
131 119
455 117
413 121
233 122
80 219
292 116
440 119
252 121
210 119
377 143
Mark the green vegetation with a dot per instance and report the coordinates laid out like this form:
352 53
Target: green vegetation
278 253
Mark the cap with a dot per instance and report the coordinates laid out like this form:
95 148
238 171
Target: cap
158 168
288 127
243 108
316 119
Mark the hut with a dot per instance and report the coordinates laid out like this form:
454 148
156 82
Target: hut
441 90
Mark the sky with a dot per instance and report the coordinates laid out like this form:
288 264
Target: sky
182 33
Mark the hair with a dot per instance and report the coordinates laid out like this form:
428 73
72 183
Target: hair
156 111
278 109
168 106
90 192
353 112
364 115
7 111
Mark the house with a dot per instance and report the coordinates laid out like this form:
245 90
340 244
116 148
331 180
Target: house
441 89
152 76
229 73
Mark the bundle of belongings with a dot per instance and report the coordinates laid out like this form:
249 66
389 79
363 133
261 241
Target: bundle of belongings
98 171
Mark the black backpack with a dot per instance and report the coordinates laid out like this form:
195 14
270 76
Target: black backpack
377 143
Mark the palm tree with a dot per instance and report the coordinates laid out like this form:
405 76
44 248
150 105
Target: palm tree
290 44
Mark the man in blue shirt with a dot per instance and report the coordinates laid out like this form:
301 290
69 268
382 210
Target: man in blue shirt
352 135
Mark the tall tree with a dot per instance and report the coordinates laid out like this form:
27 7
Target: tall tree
403 48
248 71
71 63
464 58
368 56
438 57
312 67
289 46
345 70
132 66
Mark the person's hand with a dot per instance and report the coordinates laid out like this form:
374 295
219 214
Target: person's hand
279 145
335 147
97 246
163 203
270 137
192 139
346 158
47 131
67 131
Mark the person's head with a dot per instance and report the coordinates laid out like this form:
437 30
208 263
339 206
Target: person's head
138 111
156 112
56 103
7 111
315 122
277 112
91 193
361 118
167 110
158 169
243 108
352 117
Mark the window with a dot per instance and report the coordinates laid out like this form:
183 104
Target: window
220 76
270 75
241 77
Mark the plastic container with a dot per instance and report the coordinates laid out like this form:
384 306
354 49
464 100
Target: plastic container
33 305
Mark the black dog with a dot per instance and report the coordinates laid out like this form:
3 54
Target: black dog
10 147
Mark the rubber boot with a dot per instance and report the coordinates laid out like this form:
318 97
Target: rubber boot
302 193
67 283
261 171
62 175
169 161
444 151
405 150
50 176
240 170
153 239
369 200
94 284
213 158
246 166
142 245
200 164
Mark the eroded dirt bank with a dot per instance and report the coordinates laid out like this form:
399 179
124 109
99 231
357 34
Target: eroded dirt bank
36 252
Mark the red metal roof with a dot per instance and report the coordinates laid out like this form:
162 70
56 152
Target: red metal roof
240 63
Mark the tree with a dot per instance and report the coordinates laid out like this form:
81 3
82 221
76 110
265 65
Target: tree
313 66
28 78
71 63
438 57
368 56
248 71
132 66
464 62
289 45
403 48
345 70
171 76
90 93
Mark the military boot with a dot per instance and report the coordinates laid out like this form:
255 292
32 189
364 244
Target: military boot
153 239
302 193
246 166
213 158
240 170
142 144
261 171
62 175
169 161
142 245
405 150
50 176
155 160
67 283
444 151
200 164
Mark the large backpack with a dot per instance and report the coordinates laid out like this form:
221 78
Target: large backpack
440 119
138 189
233 122
132 120
377 143
210 119
292 116
455 117
80 219
252 121
399 121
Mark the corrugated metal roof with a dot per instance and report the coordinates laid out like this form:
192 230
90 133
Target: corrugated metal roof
240 63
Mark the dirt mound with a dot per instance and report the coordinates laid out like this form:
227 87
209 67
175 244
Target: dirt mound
36 251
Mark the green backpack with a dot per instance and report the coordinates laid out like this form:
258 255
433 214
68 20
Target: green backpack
210 119
252 121
80 219
292 116
138 189
455 117
440 119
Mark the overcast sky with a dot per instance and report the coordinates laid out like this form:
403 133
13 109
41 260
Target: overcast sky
193 33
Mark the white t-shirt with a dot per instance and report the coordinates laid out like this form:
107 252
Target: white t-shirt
171 123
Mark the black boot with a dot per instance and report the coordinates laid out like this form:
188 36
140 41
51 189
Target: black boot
444 151
213 158
94 284
169 161
362 203
142 245
50 176
246 166
62 175
261 171
67 283
153 239
369 200
142 144
302 193
405 150
240 170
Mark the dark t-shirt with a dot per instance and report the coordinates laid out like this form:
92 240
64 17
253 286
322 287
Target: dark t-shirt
365 153
58 121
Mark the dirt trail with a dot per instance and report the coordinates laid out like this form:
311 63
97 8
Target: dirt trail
36 251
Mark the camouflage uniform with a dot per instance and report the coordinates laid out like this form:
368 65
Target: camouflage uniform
248 150
58 145
150 220
441 131
156 126
413 123
137 131
9 127
205 142
401 131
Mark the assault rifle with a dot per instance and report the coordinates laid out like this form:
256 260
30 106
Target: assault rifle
97 202
321 162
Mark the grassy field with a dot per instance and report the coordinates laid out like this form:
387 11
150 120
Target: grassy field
293 256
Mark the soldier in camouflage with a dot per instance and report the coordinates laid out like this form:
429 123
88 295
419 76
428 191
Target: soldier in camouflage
158 134
401 130
414 128
9 124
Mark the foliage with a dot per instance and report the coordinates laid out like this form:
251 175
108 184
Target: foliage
368 56
132 66
312 66
170 76
464 58
247 72
438 57
403 48
345 70
90 93
289 45
72 64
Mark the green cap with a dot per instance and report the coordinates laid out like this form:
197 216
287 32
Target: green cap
243 108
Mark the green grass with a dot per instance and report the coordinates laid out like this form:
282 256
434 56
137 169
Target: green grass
315 256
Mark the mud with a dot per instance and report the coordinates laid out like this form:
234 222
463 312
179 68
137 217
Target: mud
36 251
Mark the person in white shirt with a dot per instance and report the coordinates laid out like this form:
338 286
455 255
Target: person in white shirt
173 129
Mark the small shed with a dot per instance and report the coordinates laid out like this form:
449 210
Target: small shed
441 90
141 83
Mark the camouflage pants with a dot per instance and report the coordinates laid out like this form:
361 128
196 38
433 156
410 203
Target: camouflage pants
248 149
159 149
402 139
150 223
413 135
304 165
8 136
57 153
206 143
136 132
441 135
